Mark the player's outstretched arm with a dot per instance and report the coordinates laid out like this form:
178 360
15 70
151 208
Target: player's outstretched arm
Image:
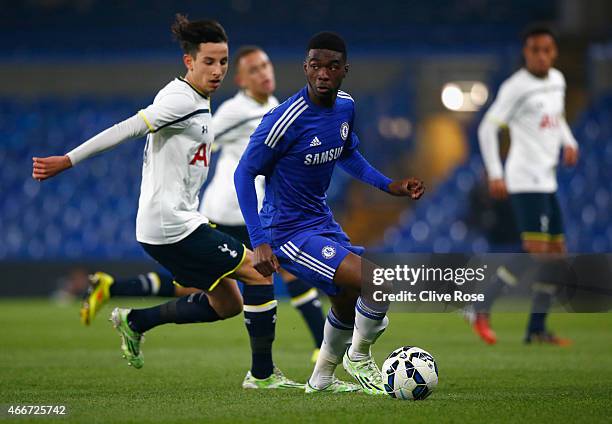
44 168
358 167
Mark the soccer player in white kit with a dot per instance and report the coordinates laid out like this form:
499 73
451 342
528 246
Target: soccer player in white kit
176 160
233 122
531 103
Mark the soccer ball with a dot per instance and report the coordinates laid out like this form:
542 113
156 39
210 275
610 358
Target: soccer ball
409 373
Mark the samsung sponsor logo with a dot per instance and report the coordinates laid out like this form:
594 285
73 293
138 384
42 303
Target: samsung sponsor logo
323 157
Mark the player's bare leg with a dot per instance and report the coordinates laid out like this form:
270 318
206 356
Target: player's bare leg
225 299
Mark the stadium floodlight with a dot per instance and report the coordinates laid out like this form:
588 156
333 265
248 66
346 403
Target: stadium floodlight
464 96
452 97
479 94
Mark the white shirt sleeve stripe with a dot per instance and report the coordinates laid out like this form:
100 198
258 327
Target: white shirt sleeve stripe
286 126
281 120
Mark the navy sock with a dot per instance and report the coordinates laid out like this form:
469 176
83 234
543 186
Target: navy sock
551 272
150 284
539 311
260 320
306 300
184 310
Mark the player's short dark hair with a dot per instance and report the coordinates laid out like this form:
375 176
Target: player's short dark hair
538 29
245 51
329 41
191 33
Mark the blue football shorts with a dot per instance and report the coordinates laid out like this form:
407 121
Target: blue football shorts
315 256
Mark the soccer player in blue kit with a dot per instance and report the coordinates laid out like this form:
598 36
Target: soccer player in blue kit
296 148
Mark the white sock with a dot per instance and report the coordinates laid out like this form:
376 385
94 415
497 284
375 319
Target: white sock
369 325
336 335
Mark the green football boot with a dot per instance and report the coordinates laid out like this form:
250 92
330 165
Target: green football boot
337 386
277 380
367 374
130 339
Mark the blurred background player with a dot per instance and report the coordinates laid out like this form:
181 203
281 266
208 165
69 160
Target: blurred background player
296 147
233 123
531 103
169 226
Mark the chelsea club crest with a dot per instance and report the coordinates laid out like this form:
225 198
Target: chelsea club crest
328 252
344 130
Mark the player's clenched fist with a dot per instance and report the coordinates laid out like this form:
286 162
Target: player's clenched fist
412 187
43 168
264 260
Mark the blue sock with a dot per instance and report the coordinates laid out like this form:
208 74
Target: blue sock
306 300
150 284
260 320
185 310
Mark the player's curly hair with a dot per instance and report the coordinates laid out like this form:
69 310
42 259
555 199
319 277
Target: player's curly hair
191 33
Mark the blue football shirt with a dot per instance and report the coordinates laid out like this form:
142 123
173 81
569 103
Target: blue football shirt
296 147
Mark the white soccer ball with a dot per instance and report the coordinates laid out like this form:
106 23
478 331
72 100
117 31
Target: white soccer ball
409 373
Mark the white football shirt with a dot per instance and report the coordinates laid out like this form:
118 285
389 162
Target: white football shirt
533 109
175 164
234 122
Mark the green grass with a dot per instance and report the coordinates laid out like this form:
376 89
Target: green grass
193 373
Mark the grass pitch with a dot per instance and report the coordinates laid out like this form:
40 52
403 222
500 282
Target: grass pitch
193 373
